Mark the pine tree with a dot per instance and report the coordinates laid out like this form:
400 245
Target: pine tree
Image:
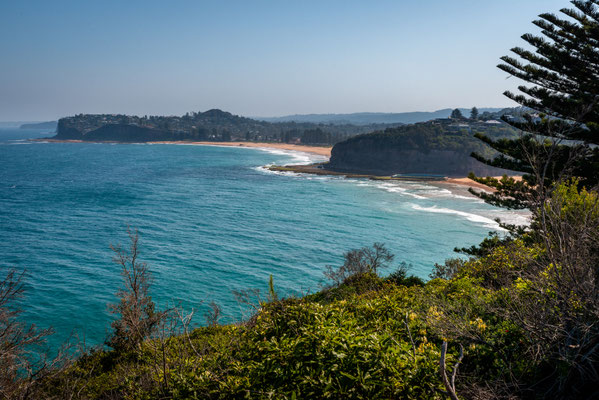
456 114
474 113
561 108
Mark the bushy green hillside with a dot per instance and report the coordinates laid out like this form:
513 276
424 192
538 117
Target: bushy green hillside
441 147
517 320
211 125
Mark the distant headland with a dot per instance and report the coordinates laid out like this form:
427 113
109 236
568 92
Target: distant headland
212 125
40 125
367 118
439 147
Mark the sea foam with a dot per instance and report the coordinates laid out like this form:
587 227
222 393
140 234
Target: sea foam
469 216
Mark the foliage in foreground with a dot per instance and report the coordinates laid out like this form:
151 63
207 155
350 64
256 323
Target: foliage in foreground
370 345
560 136
524 312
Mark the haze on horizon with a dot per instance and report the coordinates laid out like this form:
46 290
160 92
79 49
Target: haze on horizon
260 58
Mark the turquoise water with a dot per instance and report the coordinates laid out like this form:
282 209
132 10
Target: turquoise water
211 220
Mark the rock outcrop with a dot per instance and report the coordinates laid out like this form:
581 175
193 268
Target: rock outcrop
379 154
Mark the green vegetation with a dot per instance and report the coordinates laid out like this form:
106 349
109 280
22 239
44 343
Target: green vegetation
369 118
135 308
518 319
524 314
441 147
560 134
436 135
211 125
456 114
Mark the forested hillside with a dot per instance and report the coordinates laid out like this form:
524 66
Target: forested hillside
212 125
440 147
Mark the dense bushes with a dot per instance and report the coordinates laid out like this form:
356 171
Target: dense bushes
524 313
366 346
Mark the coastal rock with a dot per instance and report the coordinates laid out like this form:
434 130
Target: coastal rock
115 132
370 155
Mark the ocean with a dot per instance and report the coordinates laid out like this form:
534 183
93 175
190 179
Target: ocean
211 220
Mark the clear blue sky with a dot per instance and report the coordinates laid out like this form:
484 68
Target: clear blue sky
256 58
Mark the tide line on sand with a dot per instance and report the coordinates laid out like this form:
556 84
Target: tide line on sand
319 150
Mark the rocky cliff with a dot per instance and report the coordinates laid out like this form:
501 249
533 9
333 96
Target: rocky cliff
114 132
416 150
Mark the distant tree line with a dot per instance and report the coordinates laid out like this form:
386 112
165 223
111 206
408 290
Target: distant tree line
212 125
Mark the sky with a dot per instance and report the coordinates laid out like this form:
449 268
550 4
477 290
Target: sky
257 58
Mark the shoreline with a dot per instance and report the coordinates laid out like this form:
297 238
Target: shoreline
318 150
475 185
317 169
314 169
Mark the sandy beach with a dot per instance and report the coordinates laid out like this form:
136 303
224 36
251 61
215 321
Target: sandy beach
470 183
318 170
320 150
326 151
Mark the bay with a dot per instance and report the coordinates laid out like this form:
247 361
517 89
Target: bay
211 220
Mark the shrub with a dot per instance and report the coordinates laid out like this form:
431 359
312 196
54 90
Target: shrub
448 270
400 277
137 314
360 261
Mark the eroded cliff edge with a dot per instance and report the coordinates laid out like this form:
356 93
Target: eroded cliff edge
425 149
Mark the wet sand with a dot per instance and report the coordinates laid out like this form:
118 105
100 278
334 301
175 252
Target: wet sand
320 150
475 185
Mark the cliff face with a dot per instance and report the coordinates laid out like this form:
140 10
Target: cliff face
127 133
379 158
67 132
113 132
